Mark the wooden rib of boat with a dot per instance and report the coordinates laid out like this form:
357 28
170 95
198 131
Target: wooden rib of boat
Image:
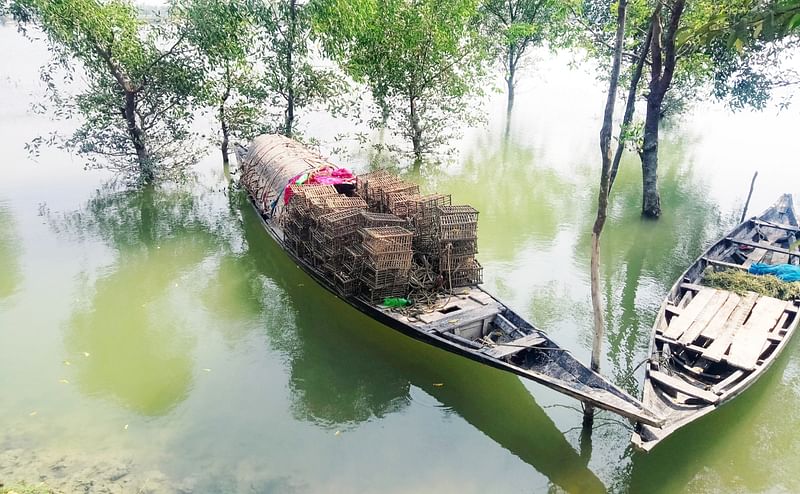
463 324
709 345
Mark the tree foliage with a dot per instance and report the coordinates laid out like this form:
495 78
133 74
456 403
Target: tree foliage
419 58
139 81
514 26
221 34
291 79
691 58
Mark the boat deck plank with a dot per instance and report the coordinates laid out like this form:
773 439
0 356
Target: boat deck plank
681 323
746 347
755 256
709 312
719 347
780 258
713 329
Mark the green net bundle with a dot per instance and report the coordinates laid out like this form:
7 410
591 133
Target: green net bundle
741 282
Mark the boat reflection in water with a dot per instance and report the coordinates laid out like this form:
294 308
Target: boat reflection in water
333 389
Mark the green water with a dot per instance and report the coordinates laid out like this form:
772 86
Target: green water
159 341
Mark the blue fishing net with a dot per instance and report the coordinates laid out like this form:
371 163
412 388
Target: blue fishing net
786 272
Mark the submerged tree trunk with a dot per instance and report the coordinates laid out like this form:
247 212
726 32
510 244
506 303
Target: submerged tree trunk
602 200
651 202
662 69
289 122
137 138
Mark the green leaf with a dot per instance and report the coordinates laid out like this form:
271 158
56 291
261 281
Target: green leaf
794 22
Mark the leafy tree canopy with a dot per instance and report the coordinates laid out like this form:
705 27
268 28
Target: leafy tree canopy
419 58
138 77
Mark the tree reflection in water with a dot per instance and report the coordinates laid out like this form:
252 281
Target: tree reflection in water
131 328
10 250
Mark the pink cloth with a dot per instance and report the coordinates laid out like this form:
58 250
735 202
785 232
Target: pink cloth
325 175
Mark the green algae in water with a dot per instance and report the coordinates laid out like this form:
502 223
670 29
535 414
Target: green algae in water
741 282
27 489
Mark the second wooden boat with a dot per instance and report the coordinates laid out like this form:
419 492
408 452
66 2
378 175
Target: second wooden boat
709 345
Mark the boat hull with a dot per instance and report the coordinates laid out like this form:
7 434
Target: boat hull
468 321
606 397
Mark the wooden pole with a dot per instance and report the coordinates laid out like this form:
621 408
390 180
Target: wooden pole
747 203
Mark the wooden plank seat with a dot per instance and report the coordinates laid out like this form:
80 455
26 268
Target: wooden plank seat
764 246
786 228
512 347
678 384
723 264
462 318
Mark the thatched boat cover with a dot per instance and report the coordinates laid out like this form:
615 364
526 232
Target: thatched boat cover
271 161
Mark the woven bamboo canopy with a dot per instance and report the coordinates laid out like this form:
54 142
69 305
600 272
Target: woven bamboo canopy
271 161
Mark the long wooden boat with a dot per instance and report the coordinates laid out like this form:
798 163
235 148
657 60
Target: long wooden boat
709 345
462 325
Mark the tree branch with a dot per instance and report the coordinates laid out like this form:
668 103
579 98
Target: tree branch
598 37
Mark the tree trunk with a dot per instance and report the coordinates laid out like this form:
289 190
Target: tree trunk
630 105
602 201
146 172
510 106
511 72
225 134
289 121
416 131
223 118
662 69
651 202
